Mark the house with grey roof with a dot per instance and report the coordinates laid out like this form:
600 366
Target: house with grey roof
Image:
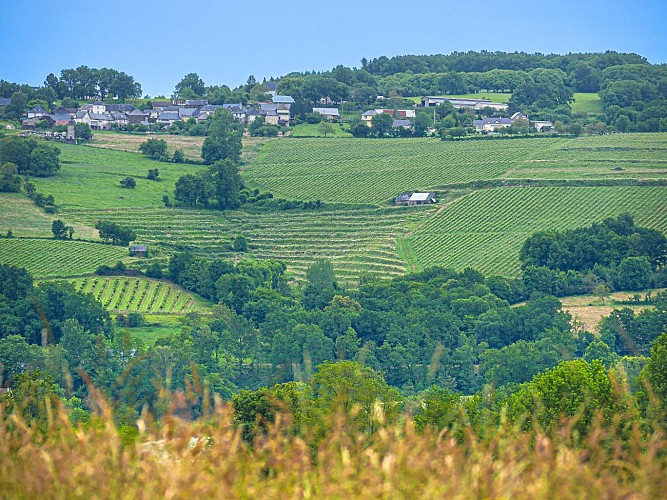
136 116
542 125
196 103
36 112
187 113
168 117
101 121
252 114
99 107
328 113
488 125
406 124
285 99
61 118
119 108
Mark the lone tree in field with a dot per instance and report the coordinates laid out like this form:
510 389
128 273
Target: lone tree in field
128 183
224 139
61 231
325 128
155 148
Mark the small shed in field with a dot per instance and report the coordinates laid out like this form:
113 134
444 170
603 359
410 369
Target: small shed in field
138 251
421 199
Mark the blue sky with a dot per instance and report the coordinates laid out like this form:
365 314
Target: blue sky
158 42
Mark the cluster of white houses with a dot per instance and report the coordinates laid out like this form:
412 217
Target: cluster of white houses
487 125
493 124
101 116
401 116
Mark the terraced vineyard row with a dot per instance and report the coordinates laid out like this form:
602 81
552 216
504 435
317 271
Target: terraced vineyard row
358 241
373 171
50 258
143 295
486 229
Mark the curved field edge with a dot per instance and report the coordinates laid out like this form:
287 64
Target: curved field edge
141 295
486 229
45 258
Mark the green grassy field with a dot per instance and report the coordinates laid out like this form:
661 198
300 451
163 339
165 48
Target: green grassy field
142 295
588 103
150 334
376 170
486 229
53 258
25 219
310 130
91 177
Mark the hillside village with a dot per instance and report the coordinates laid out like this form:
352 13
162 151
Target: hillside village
162 114
101 116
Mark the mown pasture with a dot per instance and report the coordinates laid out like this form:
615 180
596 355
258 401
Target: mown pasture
90 177
141 295
310 130
486 229
55 258
587 102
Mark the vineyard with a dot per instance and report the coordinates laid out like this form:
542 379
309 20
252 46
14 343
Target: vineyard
142 295
486 229
52 258
374 171
358 240
637 156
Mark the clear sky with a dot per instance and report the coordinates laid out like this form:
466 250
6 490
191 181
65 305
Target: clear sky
158 42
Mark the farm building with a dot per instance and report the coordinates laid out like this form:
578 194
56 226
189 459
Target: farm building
415 199
328 113
138 251
491 124
421 199
367 116
462 103
402 199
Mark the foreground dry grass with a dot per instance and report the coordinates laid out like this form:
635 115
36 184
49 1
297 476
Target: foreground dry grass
398 462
